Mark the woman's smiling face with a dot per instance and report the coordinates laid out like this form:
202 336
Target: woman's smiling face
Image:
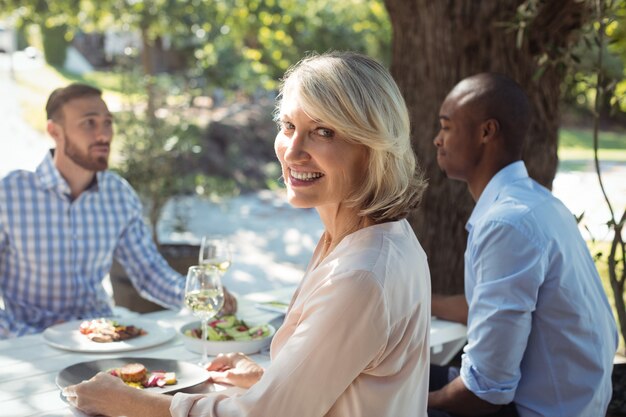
319 166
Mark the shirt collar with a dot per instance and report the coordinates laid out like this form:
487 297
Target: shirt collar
49 175
51 178
512 172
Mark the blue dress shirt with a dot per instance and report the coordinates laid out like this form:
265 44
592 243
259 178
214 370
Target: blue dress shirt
540 330
55 252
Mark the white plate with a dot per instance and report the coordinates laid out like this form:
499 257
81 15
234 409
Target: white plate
215 347
67 336
187 374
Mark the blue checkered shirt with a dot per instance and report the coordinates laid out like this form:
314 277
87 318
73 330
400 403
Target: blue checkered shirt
55 252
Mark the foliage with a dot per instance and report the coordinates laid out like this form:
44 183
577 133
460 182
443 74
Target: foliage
579 87
160 157
234 45
269 36
600 251
224 45
606 14
53 20
55 45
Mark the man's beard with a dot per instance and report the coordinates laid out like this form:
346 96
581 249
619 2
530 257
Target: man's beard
84 160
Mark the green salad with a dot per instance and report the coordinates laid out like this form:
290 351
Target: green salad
230 328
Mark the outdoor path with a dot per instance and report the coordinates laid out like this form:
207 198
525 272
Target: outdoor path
273 241
21 146
580 191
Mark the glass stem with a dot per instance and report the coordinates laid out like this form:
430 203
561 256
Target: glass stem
205 336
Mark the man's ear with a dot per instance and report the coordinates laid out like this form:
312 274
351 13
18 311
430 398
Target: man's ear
54 130
489 130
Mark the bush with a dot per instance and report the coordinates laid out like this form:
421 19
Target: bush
54 44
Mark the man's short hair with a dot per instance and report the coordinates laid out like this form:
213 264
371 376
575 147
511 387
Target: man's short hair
497 96
61 96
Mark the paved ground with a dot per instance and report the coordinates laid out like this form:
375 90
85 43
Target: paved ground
20 145
580 191
273 241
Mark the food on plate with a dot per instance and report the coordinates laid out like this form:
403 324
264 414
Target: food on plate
133 372
136 375
229 327
106 330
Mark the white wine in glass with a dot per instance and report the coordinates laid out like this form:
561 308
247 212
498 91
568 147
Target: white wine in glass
204 296
215 253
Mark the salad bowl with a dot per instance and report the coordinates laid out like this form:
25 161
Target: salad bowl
227 334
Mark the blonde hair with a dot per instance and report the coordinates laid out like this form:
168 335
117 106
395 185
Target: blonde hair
359 99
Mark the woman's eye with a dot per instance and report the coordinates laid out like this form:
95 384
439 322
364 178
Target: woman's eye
284 125
326 133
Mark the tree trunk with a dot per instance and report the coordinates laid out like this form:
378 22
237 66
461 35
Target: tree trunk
147 63
438 43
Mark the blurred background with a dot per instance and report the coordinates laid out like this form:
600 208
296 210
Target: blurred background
192 85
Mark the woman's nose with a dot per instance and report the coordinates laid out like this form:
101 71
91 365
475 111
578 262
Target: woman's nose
297 148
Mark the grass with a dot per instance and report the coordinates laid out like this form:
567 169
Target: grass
36 84
105 80
577 144
46 77
600 250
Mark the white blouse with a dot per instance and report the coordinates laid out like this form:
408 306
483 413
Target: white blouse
355 341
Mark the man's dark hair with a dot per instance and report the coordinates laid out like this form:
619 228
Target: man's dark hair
500 97
61 96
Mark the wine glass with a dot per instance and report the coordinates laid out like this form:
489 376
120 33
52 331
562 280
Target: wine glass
215 253
204 296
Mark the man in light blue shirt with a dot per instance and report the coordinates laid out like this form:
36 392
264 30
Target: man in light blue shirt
541 334
62 225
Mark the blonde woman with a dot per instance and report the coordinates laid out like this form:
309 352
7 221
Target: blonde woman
355 341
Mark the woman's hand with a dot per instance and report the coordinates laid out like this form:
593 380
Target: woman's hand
95 395
230 303
105 394
235 369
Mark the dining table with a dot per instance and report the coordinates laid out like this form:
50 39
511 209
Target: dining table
30 365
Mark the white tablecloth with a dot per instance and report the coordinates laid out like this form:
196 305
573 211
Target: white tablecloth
29 366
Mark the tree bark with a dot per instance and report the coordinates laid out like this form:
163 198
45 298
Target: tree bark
438 43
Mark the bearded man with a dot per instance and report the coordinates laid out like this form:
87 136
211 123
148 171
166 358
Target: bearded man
62 225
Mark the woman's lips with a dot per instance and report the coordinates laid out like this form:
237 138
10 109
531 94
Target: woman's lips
304 177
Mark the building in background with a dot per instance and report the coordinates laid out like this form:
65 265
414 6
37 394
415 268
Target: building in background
8 37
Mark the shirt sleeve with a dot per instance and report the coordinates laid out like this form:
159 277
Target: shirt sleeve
8 328
342 331
149 272
509 270
3 237
4 321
